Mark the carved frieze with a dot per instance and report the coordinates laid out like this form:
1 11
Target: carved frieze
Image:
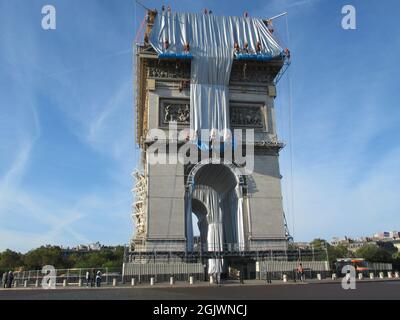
174 110
168 70
246 116
241 115
247 72
139 205
241 72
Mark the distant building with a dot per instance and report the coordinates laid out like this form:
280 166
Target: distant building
394 234
341 241
387 235
302 245
382 235
366 239
80 247
95 246
387 240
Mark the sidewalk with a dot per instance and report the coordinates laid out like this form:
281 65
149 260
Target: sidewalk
184 284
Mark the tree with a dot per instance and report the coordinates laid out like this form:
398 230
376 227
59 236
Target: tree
396 261
91 260
10 260
72 260
334 252
105 258
35 259
45 255
319 244
339 251
372 253
388 246
396 256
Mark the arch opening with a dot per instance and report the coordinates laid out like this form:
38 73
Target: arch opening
200 212
215 198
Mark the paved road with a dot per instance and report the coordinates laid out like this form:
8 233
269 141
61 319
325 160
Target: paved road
386 290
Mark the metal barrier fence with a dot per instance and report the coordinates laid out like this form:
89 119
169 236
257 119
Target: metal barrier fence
143 273
161 272
379 266
175 246
274 270
71 276
291 265
255 253
117 279
293 275
309 274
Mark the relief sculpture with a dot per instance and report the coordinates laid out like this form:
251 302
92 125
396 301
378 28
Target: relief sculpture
246 116
178 112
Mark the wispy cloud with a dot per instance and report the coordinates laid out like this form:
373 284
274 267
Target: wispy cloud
291 4
40 80
103 132
66 101
294 7
92 64
326 202
346 151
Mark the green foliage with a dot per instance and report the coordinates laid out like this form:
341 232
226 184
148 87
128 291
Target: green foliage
369 252
10 260
37 258
337 252
396 256
396 261
105 258
373 253
388 246
319 244
55 256
334 252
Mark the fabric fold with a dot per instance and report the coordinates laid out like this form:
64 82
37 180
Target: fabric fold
211 39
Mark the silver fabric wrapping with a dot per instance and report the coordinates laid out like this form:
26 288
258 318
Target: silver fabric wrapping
215 235
211 39
189 221
224 220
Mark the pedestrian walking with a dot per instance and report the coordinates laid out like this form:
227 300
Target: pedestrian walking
4 279
92 277
269 277
10 278
98 279
215 276
300 272
88 278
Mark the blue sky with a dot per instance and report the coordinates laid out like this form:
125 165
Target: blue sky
67 122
